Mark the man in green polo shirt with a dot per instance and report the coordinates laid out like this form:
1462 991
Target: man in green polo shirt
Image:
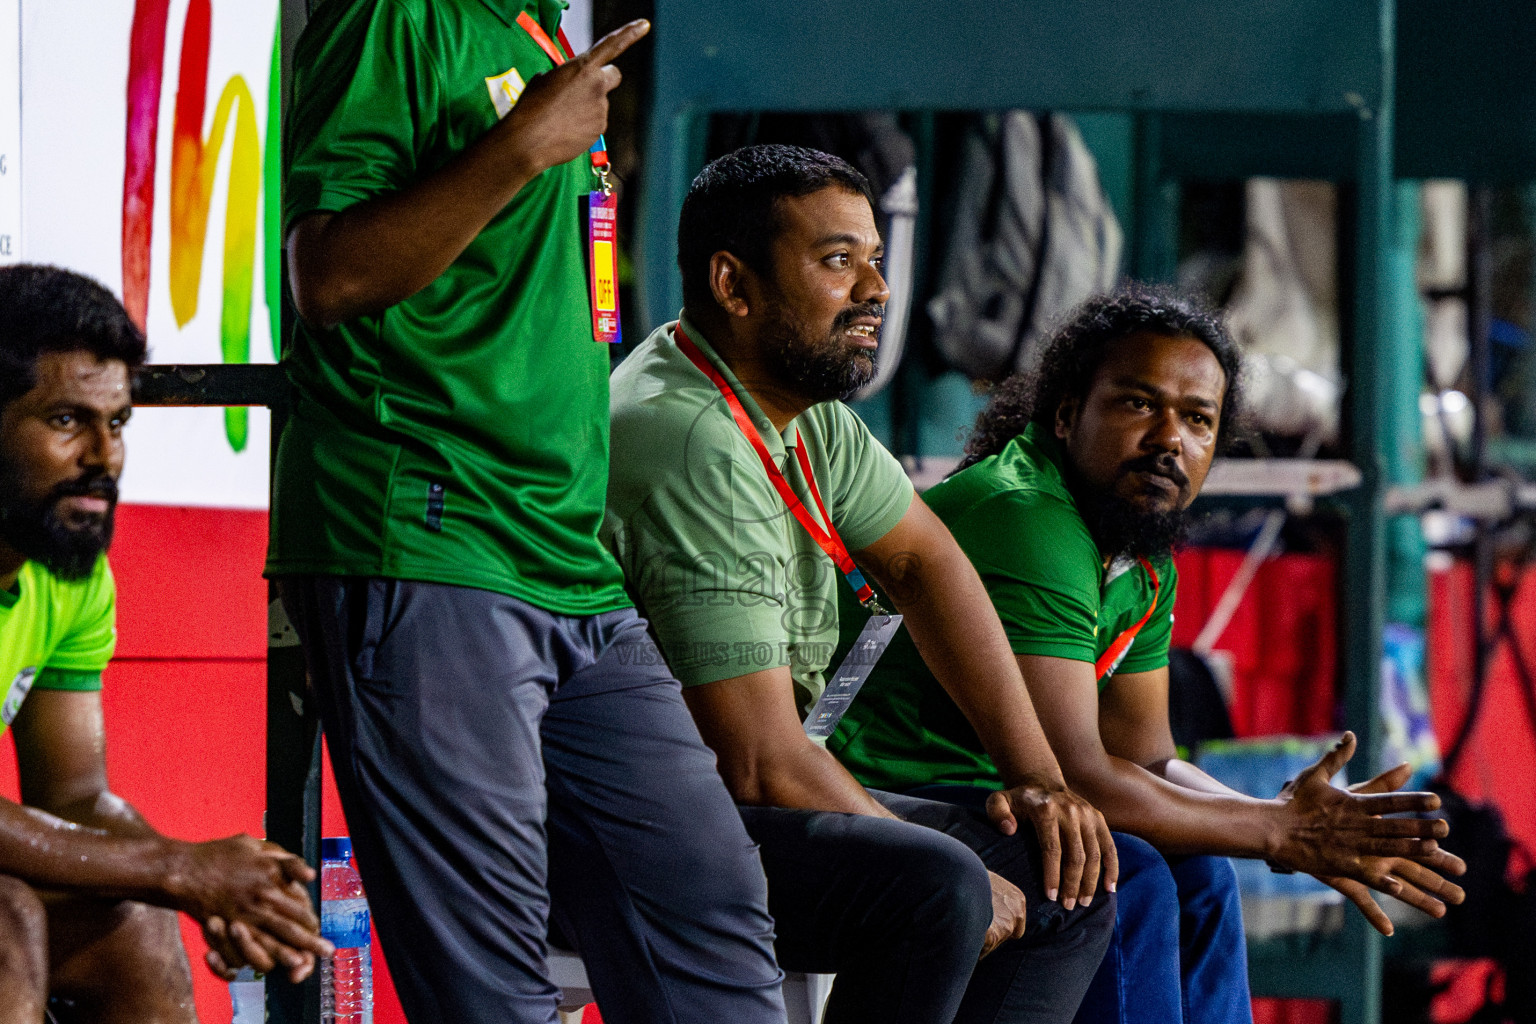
742 496
500 727
88 890
1073 491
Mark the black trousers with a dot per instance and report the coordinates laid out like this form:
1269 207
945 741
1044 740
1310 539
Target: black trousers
899 911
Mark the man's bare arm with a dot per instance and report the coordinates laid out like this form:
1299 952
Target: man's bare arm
765 757
1133 721
1330 833
74 834
952 622
372 255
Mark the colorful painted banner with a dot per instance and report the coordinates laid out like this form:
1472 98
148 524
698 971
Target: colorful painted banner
194 166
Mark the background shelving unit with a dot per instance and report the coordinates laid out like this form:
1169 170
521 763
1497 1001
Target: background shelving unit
1365 93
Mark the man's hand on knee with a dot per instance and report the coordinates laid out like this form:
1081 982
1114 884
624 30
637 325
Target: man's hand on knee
1074 840
1008 918
251 900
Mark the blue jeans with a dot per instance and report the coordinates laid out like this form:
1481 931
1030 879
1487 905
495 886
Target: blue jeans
1178 953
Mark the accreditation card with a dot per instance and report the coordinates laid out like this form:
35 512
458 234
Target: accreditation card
603 264
873 639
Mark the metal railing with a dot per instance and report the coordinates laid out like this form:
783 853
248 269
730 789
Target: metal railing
293 735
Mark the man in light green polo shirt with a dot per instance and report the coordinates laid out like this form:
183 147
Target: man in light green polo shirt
501 730
88 890
783 304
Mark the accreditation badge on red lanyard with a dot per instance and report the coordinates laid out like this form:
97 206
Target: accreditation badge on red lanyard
602 211
876 635
1116 652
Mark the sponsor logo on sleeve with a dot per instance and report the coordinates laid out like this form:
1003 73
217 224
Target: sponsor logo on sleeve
19 688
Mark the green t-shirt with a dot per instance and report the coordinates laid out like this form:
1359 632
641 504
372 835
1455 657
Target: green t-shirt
461 436
731 581
54 635
1012 515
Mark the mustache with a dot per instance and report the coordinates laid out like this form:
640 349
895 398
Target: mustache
94 485
1163 465
859 312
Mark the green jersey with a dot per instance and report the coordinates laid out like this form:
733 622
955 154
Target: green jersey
1012 515
54 634
460 436
731 581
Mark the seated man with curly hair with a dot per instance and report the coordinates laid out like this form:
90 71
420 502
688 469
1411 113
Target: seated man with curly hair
1069 501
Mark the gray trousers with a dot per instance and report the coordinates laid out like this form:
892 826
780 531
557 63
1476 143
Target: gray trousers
498 764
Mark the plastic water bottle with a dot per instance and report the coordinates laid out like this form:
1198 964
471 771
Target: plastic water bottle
346 980
248 998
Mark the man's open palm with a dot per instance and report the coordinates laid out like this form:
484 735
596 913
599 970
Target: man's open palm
1341 837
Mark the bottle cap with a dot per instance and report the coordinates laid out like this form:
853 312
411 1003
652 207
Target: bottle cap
336 848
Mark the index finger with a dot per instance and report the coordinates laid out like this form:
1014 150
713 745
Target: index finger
1388 781
607 49
1091 865
1050 858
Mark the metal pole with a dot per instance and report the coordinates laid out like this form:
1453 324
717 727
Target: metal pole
1364 576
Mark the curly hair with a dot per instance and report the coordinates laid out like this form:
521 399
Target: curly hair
48 309
1077 348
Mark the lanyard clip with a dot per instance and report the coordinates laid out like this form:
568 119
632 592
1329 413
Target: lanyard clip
599 156
874 607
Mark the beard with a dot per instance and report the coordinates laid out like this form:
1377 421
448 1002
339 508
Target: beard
1124 526
36 529
819 369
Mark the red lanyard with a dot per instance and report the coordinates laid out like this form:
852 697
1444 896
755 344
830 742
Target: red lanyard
1110 659
826 537
560 54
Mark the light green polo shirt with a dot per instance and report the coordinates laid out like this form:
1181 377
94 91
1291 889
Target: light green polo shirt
731 581
54 634
461 436
1012 515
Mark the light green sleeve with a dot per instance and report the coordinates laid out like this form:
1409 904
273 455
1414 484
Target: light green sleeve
871 490
1039 567
81 656
1150 651
366 99
697 535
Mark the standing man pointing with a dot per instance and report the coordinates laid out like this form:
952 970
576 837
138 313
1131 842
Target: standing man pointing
501 728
